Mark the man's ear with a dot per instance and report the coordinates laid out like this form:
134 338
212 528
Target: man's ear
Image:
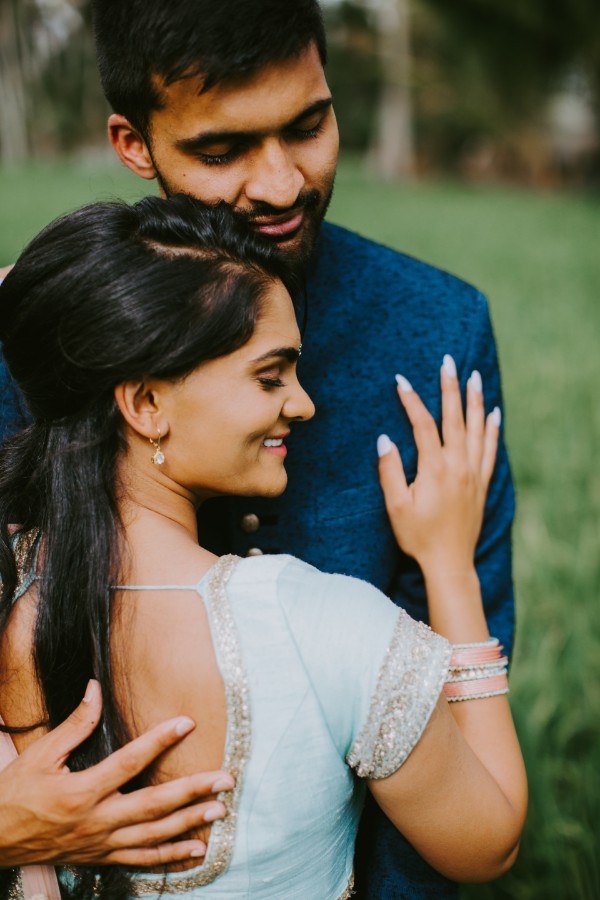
140 406
130 146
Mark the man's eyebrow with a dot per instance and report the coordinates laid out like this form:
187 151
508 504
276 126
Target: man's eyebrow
291 354
205 138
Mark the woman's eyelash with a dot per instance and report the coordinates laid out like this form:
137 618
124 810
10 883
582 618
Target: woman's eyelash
271 382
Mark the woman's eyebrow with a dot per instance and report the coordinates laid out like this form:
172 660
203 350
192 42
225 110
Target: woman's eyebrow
291 354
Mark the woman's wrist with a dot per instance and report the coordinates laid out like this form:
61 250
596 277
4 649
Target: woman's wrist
455 605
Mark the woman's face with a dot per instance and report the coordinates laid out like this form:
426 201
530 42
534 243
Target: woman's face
229 419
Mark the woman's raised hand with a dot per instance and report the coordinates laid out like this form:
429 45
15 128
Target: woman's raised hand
437 519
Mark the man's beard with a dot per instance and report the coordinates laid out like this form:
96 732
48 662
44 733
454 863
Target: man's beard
297 251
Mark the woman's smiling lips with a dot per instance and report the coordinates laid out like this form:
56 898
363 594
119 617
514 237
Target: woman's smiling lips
279 227
275 445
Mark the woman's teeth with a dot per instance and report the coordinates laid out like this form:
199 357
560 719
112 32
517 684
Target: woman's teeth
273 442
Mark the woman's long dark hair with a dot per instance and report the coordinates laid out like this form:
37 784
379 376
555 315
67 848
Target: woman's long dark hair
108 294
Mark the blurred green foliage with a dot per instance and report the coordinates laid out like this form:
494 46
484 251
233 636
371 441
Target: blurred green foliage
536 257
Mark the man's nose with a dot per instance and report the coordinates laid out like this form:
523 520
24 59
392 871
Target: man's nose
275 178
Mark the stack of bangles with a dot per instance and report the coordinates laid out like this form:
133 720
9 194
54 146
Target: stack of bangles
476 671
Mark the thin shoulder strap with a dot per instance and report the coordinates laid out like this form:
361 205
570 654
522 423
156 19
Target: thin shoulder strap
155 587
36 881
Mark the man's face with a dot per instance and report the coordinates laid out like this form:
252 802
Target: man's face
267 145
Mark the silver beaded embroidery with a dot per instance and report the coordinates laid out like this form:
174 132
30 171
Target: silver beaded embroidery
237 745
409 683
349 890
24 543
15 891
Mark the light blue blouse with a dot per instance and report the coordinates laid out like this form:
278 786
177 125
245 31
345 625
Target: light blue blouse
325 680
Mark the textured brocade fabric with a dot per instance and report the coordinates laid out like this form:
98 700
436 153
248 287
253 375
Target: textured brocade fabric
408 686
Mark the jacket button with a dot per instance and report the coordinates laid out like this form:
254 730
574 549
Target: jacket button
250 523
254 551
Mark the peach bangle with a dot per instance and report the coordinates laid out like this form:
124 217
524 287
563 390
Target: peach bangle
476 690
477 656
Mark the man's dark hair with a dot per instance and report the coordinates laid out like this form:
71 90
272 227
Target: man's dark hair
219 40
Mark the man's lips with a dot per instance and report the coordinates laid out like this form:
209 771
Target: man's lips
277 226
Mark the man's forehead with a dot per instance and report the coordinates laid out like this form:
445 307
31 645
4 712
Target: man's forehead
278 92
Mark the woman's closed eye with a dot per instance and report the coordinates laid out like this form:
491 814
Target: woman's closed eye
270 381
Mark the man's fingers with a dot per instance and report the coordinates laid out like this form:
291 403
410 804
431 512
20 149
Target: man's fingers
425 430
453 421
158 801
151 833
52 750
155 856
475 421
490 445
121 766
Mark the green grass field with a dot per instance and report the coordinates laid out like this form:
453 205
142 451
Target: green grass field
537 258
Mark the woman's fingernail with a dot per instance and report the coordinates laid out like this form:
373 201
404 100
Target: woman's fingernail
384 445
404 384
214 811
475 382
198 851
223 784
497 416
449 366
184 726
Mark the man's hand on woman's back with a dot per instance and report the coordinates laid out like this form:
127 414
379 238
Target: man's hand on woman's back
51 815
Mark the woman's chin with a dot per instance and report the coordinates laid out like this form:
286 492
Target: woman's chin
273 487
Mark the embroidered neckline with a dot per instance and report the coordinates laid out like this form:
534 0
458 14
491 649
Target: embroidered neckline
221 841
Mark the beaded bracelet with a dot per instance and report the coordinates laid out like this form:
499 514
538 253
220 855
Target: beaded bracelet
476 670
476 690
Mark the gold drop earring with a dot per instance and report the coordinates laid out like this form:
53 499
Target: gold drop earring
158 457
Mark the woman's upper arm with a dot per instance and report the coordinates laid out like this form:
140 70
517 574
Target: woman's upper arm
446 803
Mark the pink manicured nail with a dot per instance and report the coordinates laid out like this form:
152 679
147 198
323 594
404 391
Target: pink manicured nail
404 384
497 416
198 851
384 445
449 366
475 382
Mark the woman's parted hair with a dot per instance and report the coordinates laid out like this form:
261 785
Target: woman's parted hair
108 294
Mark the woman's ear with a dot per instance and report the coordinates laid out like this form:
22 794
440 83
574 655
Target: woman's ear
140 406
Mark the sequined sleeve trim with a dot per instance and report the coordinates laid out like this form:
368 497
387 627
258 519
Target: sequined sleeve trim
15 891
408 685
26 545
237 745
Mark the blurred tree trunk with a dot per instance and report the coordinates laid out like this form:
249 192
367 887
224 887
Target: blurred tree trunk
392 153
14 144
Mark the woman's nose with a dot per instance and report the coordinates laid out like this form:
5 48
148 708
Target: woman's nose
299 406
